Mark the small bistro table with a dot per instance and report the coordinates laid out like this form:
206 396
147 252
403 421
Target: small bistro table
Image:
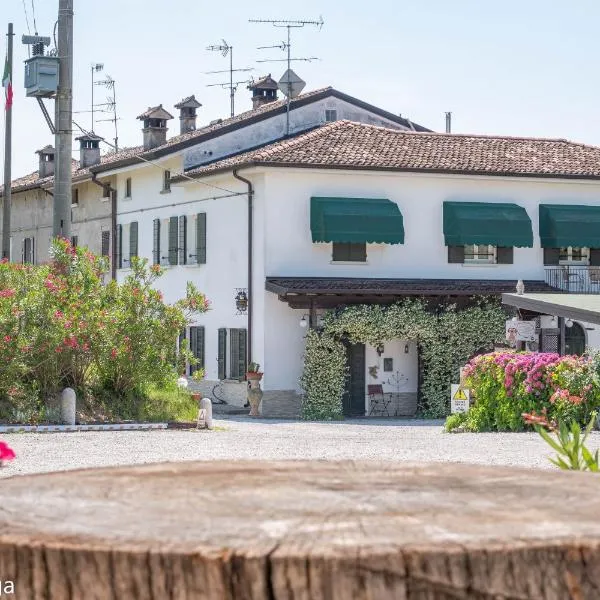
302 530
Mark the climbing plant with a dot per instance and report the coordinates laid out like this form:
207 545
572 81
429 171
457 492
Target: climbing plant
447 338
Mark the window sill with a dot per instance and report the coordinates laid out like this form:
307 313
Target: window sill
349 262
126 197
485 265
574 264
165 191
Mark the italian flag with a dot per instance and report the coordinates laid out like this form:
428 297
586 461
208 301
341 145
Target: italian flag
7 84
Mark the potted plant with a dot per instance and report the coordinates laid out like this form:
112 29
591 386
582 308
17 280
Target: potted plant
198 376
253 373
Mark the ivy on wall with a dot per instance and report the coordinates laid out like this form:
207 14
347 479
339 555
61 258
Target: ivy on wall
447 338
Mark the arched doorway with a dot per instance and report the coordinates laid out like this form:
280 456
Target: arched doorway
574 339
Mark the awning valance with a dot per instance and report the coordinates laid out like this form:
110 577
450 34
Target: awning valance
496 224
563 225
374 220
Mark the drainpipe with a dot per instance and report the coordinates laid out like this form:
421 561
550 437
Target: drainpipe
250 244
113 223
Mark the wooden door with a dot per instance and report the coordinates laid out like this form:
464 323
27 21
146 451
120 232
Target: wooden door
354 397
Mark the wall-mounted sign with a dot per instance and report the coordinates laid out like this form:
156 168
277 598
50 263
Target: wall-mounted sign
460 398
520 331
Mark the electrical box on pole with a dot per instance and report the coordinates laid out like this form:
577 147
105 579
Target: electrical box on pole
41 72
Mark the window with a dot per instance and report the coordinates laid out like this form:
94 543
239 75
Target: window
105 245
166 181
330 115
133 240
128 187
28 251
574 338
197 347
106 191
182 240
238 354
75 198
173 241
574 256
480 254
349 252
74 241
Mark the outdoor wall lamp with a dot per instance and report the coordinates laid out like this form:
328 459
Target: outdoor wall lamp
568 323
241 301
380 349
406 349
303 322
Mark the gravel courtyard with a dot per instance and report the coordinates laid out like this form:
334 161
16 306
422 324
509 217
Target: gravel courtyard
241 438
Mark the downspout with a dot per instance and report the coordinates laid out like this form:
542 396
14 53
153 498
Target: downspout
113 223
250 246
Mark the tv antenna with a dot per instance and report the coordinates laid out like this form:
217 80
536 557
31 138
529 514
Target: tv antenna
110 106
94 68
226 49
290 84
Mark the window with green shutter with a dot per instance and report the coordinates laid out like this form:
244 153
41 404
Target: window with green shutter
119 246
222 351
349 252
74 240
133 240
173 233
156 242
182 240
237 354
201 238
197 347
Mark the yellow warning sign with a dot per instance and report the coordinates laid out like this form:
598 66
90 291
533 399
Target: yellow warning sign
460 394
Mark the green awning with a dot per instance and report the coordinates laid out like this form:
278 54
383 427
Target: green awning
496 224
374 220
563 225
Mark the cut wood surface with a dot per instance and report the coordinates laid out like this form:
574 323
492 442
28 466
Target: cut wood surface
301 531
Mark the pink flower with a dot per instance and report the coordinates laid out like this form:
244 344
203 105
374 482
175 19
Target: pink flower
6 452
113 353
58 315
7 293
7 338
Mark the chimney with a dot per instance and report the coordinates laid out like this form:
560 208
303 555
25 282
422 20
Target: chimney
448 122
46 167
155 126
263 91
89 150
187 114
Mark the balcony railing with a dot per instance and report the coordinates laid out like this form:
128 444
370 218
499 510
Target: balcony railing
576 280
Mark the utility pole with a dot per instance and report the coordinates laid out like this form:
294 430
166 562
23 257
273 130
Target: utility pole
6 204
63 120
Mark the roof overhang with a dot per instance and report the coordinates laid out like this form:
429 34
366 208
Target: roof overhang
577 307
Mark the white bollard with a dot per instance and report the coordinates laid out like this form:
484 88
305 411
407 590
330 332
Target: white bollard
206 405
67 406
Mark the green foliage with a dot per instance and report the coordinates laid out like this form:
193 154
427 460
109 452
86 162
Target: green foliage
61 327
168 404
455 421
573 455
447 339
324 377
506 385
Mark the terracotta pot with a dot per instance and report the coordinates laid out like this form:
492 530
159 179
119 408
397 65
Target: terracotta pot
253 376
197 396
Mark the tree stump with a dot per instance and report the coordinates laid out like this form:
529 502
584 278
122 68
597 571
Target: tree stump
302 531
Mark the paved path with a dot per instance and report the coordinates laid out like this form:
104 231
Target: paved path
242 438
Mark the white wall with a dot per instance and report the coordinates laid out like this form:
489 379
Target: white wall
258 134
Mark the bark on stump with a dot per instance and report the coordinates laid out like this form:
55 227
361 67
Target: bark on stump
302 531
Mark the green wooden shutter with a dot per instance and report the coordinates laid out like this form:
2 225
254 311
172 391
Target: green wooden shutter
504 255
119 246
358 252
222 352
133 240
595 257
182 240
105 244
156 242
340 251
456 254
173 231
551 256
237 353
201 238
74 240
197 347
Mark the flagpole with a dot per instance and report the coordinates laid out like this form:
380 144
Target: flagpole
6 200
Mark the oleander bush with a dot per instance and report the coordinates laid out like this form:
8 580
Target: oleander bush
60 326
506 385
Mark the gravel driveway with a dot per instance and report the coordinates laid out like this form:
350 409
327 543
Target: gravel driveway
242 438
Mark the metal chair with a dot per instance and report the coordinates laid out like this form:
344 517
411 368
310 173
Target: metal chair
378 400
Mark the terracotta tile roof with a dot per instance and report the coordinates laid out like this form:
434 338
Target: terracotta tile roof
156 112
346 144
265 82
189 102
395 287
128 156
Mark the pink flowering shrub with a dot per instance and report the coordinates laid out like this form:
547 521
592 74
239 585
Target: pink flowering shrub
61 327
6 453
507 384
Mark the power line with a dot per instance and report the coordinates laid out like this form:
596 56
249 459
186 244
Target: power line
146 160
33 13
26 18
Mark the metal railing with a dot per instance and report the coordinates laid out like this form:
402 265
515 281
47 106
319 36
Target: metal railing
576 280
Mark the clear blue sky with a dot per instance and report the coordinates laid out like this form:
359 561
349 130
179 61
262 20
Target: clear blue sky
516 67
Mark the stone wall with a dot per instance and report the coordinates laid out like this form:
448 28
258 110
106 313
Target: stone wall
281 404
